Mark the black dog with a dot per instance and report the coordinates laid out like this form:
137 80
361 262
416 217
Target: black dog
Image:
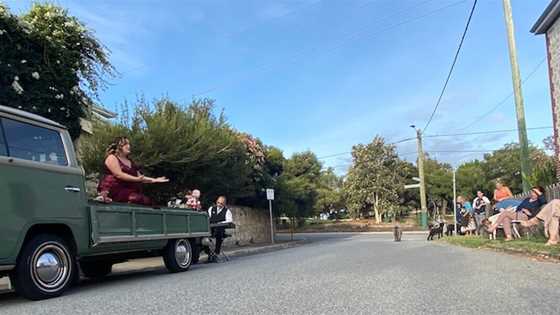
436 230
450 229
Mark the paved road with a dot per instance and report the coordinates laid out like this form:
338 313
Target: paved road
351 273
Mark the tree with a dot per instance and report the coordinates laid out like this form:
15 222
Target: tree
329 192
374 181
505 165
297 186
439 182
51 64
470 178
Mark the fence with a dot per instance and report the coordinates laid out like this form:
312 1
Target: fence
551 192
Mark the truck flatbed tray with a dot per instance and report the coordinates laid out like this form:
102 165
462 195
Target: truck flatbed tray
117 223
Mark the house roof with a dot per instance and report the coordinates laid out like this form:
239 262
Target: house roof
101 111
547 18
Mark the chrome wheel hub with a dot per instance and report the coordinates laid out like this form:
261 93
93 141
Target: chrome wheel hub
182 253
50 267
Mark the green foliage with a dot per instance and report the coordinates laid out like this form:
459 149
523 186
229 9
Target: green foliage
375 180
297 187
190 145
51 64
439 182
329 192
504 164
471 178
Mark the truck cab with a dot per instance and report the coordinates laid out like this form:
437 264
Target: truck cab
49 230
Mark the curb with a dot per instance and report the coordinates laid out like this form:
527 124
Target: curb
264 249
514 251
155 263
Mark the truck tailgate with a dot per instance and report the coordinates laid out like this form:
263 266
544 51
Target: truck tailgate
115 223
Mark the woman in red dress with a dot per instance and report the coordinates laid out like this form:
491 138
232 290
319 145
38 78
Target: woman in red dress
123 181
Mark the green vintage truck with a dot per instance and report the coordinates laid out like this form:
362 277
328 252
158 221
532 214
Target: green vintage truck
49 230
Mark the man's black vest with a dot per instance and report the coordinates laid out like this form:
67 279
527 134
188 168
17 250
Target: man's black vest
217 217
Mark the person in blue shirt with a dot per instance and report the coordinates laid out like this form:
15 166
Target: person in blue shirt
526 210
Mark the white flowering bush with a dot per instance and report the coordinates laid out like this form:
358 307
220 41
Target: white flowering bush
51 64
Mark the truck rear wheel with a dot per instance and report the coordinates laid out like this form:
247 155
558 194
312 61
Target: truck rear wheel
177 255
96 269
45 268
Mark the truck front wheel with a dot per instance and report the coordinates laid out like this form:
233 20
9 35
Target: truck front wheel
45 268
96 269
177 255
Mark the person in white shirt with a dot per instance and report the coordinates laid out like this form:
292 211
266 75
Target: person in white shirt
479 205
219 214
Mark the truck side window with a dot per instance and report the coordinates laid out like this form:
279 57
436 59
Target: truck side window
3 149
34 143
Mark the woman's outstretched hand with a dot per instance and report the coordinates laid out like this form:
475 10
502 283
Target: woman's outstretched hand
158 180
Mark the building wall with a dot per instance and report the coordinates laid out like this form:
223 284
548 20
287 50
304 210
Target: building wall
252 226
553 50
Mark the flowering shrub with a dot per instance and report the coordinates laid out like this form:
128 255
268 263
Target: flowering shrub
51 64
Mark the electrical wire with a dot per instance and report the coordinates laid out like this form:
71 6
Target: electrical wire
482 132
452 66
351 37
479 118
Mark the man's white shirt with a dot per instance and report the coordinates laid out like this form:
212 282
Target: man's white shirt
229 216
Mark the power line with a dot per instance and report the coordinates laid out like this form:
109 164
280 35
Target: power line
452 66
505 99
349 152
482 132
351 37
442 135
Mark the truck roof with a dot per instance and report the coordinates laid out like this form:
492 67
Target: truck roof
28 115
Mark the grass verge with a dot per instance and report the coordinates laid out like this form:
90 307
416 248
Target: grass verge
531 247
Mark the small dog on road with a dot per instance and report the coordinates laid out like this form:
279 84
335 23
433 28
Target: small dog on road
397 233
436 230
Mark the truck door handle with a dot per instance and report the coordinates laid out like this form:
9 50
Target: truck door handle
72 189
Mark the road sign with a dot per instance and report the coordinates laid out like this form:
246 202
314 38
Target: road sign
416 179
270 194
411 186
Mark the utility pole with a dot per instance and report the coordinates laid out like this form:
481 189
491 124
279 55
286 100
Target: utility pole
455 200
519 107
423 207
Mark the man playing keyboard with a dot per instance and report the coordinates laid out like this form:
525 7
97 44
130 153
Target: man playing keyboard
219 214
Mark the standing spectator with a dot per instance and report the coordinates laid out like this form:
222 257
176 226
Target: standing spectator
459 214
218 214
479 205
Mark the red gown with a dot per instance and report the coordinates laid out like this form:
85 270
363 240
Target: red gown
123 191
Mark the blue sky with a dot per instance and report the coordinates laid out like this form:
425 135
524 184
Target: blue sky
324 75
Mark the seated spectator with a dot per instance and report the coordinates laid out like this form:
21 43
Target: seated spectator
123 180
527 209
193 201
468 226
550 215
503 196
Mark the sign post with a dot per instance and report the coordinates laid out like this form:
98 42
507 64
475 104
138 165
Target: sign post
270 197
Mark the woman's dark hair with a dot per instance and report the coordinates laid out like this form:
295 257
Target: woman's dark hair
116 145
539 188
